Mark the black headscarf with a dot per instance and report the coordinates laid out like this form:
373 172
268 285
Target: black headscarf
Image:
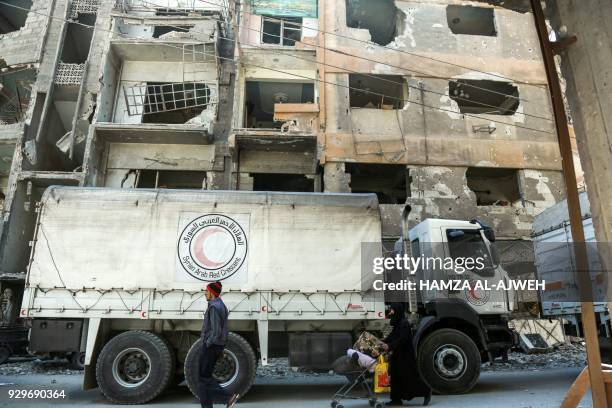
399 314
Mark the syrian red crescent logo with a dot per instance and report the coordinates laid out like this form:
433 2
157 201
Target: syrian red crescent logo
477 294
212 247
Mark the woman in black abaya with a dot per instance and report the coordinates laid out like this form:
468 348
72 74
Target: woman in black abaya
406 382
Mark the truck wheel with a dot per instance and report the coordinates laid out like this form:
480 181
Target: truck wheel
76 360
134 367
449 361
5 353
235 369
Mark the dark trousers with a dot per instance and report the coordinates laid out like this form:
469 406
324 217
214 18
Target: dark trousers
209 389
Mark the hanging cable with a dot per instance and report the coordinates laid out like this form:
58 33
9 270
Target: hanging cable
375 77
299 76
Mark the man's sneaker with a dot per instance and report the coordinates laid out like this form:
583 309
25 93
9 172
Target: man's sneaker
232 401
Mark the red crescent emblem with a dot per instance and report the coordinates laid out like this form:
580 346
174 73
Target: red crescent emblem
198 251
473 293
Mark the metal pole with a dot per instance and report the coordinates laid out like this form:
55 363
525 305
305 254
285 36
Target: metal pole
598 390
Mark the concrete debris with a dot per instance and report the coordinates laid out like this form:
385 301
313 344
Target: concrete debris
28 366
564 356
533 343
279 368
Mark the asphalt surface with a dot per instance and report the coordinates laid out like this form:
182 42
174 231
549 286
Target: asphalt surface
516 389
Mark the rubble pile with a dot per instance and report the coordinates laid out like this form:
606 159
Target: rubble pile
28 366
563 356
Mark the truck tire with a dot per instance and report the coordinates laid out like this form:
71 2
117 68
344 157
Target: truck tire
76 360
5 353
134 367
449 361
235 370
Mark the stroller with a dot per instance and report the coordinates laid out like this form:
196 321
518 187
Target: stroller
358 378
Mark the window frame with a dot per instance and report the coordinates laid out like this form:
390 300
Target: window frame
282 37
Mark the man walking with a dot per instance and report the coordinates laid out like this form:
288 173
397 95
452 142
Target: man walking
214 336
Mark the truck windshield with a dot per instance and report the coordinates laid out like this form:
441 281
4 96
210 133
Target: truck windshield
468 243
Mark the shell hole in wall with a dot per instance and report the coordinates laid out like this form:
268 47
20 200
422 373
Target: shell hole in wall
13 16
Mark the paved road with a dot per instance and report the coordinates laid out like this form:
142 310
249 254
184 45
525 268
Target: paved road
516 389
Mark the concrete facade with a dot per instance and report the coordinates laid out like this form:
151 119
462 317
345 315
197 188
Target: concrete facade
210 95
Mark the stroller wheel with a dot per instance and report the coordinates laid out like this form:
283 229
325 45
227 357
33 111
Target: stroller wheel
372 402
334 404
380 405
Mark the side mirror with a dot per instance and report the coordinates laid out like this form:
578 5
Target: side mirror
456 234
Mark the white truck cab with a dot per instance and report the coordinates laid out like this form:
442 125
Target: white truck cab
457 329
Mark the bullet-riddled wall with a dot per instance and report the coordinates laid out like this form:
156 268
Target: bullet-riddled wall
455 100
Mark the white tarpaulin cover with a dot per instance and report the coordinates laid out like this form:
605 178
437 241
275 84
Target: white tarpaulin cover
171 239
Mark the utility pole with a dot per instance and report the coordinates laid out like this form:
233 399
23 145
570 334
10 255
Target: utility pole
598 390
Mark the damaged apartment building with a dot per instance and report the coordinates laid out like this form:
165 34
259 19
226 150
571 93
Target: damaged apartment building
441 104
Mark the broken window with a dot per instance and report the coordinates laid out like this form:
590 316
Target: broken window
75 48
484 96
377 91
281 30
170 179
471 20
167 102
159 31
261 97
388 181
282 182
15 90
494 186
381 18
13 15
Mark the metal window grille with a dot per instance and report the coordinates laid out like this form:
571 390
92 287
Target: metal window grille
156 98
83 7
69 74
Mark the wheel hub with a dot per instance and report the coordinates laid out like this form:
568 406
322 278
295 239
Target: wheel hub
450 361
131 367
226 369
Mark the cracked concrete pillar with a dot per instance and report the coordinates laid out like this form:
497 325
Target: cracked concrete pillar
587 69
335 179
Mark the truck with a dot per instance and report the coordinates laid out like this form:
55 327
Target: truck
554 260
119 274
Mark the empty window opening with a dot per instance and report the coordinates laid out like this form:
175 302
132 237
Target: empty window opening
261 97
15 90
377 91
484 96
194 180
167 102
471 20
282 182
13 16
494 186
381 18
159 31
77 42
281 30
388 181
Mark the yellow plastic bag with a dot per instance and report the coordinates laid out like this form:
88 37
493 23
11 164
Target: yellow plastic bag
382 381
